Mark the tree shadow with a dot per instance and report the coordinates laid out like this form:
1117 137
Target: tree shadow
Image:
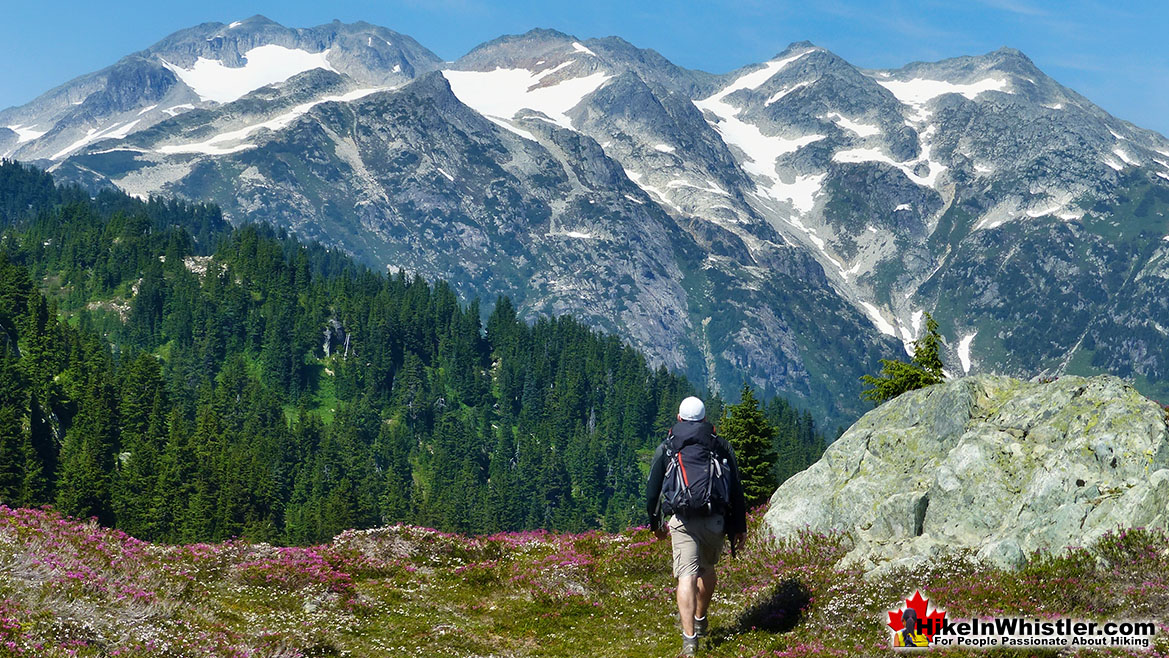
775 610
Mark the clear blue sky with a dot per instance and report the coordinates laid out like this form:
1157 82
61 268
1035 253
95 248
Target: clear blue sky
1113 52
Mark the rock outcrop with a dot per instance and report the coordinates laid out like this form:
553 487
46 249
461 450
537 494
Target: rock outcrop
988 463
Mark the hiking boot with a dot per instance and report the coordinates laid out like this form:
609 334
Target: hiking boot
689 646
700 626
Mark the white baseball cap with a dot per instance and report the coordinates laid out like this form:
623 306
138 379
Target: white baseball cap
692 409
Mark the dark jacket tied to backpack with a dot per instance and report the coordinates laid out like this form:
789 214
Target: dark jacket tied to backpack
694 472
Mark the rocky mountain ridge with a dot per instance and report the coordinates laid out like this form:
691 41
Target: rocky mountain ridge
785 224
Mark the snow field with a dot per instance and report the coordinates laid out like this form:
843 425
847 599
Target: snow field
265 65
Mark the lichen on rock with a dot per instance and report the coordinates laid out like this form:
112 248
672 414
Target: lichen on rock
992 464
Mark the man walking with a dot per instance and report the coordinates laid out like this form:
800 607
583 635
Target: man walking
695 478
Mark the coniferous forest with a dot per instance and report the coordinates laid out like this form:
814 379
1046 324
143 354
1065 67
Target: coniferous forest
184 381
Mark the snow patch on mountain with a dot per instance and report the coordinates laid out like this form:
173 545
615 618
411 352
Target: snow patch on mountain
507 125
861 129
879 320
964 351
710 186
265 65
26 133
655 193
504 92
785 91
179 109
910 334
801 193
920 91
229 142
756 78
1125 157
1044 211
860 155
762 151
816 240
117 131
1042 203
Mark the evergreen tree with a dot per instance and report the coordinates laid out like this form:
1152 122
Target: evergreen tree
897 377
88 457
12 434
392 455
142 409
502 511
169 499
752 437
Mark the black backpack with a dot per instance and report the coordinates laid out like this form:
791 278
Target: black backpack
697 479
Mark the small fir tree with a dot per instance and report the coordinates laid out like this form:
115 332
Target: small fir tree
898 377
753 439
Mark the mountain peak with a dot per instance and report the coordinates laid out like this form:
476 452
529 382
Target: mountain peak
539 35
518 50
547 33
258 19
1007 51
799 45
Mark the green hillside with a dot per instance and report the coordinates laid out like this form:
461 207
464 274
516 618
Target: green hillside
186 381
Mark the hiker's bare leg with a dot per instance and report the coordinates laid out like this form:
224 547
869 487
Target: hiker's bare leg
707 581
687 599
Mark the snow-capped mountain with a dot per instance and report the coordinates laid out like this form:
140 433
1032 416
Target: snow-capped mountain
785 224
207 65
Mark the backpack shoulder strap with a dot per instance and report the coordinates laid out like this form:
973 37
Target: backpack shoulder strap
720 445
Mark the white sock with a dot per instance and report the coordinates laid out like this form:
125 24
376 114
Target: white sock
700 619
689 637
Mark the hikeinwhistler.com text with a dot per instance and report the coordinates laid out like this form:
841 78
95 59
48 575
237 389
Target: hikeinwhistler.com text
1007 632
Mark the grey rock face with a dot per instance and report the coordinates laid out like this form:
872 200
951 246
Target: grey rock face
988 463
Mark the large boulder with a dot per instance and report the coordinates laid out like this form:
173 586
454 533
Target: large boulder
988 463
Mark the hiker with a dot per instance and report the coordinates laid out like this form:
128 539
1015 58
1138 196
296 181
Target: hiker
695 478
909 636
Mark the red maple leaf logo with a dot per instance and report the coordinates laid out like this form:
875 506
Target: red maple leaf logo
931 621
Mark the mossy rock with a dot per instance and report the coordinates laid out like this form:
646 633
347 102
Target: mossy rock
990 464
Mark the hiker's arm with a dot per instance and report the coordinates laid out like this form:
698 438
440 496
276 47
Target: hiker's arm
736 520
653 490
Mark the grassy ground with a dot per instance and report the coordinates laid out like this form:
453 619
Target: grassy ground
71 588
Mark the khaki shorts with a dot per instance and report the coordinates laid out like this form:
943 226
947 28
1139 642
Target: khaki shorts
698 543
